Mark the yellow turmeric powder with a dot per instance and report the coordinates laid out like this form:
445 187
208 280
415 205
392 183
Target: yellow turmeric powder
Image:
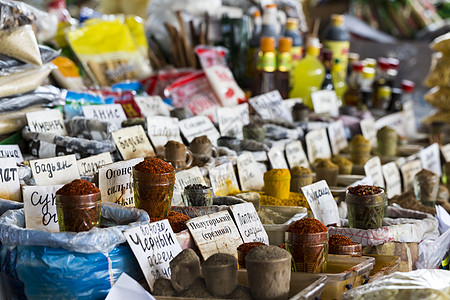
295 199
277 183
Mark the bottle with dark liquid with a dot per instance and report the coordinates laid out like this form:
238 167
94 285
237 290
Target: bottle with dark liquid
284 59
327 83
353 93
264 80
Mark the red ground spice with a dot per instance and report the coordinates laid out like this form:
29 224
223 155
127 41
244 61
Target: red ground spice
78 187
246 247
176 220
364 190
307 225
340 240
154 166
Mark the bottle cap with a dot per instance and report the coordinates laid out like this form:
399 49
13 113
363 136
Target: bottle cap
383 63
408 86
268 6
291 24
368 72
352 57
358 66
284 44
256 14
267 44
384 91
337 20
370 62
393 63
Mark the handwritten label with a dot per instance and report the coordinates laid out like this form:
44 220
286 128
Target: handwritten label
431 159
161 130
112 113
154 245
115 182
55 170
183 179
250 176
276 158
46 121
232 119
223 180
89 165
198 126
249 224
132 142
322 203
368 130
317 144
39 203
325 102
151 106
13 151
392 178
336 132
372 168
296 155
9 180
396 121
409 170
445 152
215 233
270 106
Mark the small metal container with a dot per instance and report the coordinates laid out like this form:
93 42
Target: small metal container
355 250
309 251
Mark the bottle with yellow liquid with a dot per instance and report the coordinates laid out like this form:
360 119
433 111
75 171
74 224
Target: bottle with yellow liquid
308 74
338 77
337 40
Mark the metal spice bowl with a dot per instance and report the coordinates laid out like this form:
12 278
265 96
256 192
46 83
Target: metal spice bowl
309 251
354 250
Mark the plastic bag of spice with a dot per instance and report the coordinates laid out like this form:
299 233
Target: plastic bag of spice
43 95
21 44
10 65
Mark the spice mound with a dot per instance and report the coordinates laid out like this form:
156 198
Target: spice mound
307 225
267 253
201 140
174 144
176 220
78 187
219 259
340 240
359 139
324 163
297 170
364 190
246 247
154 166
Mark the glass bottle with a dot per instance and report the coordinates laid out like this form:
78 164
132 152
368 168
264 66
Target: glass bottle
327 83
264 80
269 22
383 98
297 45
284 60
337 39
254 45
338 77
352 95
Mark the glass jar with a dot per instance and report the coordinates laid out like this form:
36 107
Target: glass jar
153 192
365 211
426 186
78 213
309 251
198 197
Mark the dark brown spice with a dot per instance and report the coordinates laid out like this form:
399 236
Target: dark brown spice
174 144
154 166
176 220
201 140
78 187
246 247
364 190
307 225
340 240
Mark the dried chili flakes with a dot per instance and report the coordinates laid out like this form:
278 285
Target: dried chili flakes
246 247
307 225
340 240
176 220
78 187
154 166
364 190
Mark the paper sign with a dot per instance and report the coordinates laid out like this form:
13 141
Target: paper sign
215 233
317 144
198 126
392 179
128 288
9 180
115 182
290 103
270 106
431 159
161 130
13 151
132 142
46 121
276 158
152 106
89 165
250 175
112 113
372 168
322 203
223 180
445 152
338 140
296 155
409 170
325 102
39 203
183 179
368 130
154 245
396 121
249 224
232 119
55 170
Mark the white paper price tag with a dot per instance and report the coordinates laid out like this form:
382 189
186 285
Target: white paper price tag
46 121
112 113
325 102
368 130
9 179
249 224
445 152
296 155
115 182
250 175
198 126
392 178
13 151
133 142
183 179
270 106
152 106
431 159
223 180
276 158
232 119
161 130
89 165
396 121
372 168
154 245
409 170
338 140
39 204
317 144
215 233
322 203
55 170
290 103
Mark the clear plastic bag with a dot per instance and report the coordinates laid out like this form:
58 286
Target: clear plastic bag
432 252
438 97
20 43
43 95
9 65
439 74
